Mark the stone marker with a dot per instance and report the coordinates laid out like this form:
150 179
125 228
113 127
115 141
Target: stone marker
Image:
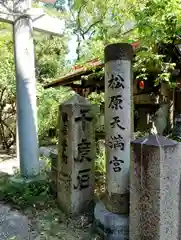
118 124
75 178
155 189
111 214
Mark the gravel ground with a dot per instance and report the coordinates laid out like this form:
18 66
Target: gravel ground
45 224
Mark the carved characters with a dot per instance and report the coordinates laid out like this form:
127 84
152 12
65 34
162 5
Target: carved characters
116 142
116 102
64 137
116 82
83 179
84 117
83 151
116 122
116 164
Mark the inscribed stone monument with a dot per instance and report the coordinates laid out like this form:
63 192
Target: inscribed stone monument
75 178
118 124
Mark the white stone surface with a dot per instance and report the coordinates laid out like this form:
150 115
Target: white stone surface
118 124
42 22
75 181
26 97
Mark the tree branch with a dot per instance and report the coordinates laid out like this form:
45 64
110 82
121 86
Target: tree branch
92 25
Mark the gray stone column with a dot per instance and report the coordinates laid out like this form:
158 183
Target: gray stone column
155 201
25 92
118 124
75 178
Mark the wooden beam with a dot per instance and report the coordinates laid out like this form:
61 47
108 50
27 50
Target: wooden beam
146 99
72 77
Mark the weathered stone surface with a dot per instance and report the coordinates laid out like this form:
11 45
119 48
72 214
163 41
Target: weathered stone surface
112 226
118 122
155 140
75 179
46 151
160 120
155 189
14 224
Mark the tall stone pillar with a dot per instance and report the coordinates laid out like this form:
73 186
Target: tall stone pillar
75 177
27 139
111 213
118 124
155 197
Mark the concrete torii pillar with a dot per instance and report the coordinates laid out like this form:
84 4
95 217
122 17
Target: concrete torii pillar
19 14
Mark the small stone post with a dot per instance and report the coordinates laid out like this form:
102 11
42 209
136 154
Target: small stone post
155 194
75 178
118 124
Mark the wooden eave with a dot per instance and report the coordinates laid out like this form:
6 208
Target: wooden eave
75 76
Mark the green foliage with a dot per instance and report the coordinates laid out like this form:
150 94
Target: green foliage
156 22
24 195
48 107
95 23
7 89
97 99
50 56
28 193
50 63
98 23
100 167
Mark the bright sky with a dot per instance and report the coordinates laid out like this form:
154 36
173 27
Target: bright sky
72 49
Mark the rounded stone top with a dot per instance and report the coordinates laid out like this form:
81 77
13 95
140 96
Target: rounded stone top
77 99
118 51
156 141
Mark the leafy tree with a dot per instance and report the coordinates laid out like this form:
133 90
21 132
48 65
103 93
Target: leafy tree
157 22
50 62
50 57
48 108
7 89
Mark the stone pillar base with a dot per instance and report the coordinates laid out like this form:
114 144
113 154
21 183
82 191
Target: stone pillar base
117 203
112 226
